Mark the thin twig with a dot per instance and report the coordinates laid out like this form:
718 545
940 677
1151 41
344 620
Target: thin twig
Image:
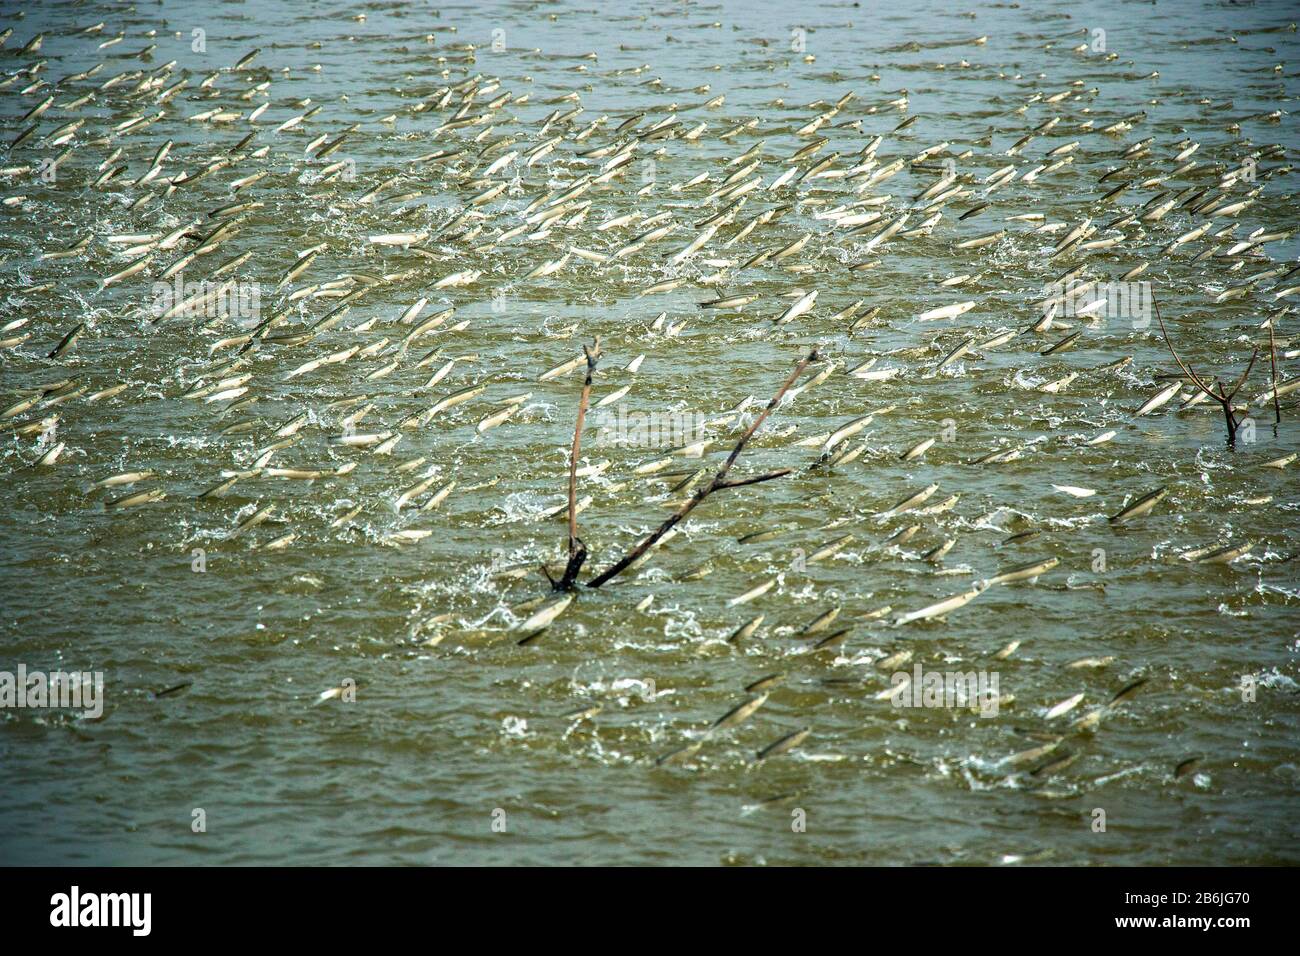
1223 397
766 476
1272 357
1186 369
1242 381
577 550
718 483
592 355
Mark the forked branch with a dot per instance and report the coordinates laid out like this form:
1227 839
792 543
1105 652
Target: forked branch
1223 397
719 482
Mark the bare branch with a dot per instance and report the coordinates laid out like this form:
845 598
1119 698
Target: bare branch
718 483
1172 351
1242 381
577 552
1223 397
754 426
1272 357
766 476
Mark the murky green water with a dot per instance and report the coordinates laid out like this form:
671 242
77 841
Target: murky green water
455 726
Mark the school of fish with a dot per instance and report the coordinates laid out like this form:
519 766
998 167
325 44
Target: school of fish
320 357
